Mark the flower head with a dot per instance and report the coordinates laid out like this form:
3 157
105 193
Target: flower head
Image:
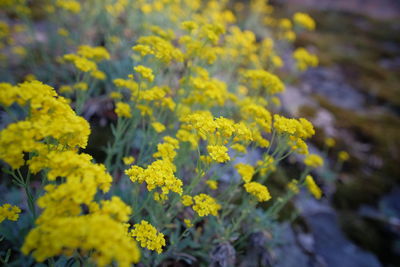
9 212
148 236
258 190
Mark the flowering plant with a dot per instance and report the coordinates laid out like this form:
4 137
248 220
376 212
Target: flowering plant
195 89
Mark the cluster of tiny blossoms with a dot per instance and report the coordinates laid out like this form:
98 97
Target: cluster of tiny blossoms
148 236
9 212
63 227
202 204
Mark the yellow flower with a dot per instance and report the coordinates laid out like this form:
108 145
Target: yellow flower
98 74
285 24
158 174
81 63
246 171
205 205
201 121
330 142
313 187
189 26
81 86
343 156
65 89
49 117
313 161
123 110
116 95
304 20
212 184
188 223
9 212
293 186
128 160
69 5
259 79
162 49
304 59
30 77
218 153
19 50
148 236
239 148
289 36
116 209
145 72
158 126
297 144
167 150
87 233
187 200
63 32
97 53
258 190
300 128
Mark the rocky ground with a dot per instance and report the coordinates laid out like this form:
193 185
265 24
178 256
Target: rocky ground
353 96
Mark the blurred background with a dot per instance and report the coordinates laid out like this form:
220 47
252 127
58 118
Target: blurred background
354 97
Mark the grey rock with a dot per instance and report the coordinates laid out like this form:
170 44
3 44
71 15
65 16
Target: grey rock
330 242
332 84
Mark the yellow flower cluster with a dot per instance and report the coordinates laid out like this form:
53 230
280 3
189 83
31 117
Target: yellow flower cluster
148 236
343 156
82 180
158 126
72 6
313 187
207 91
212 184
205 205
9 212
62 228
129 84
202 43
103 238
267 164
188 223
258 190
330 142
297 130
304 20
96 54
301 128
81 63
293 186
128 160
86 58
167 149
261 117
187 200
246 171
162 49
313 161
158 174
218 132
264 80
304 59
145 72
240 45
123 110
218 153
49 116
